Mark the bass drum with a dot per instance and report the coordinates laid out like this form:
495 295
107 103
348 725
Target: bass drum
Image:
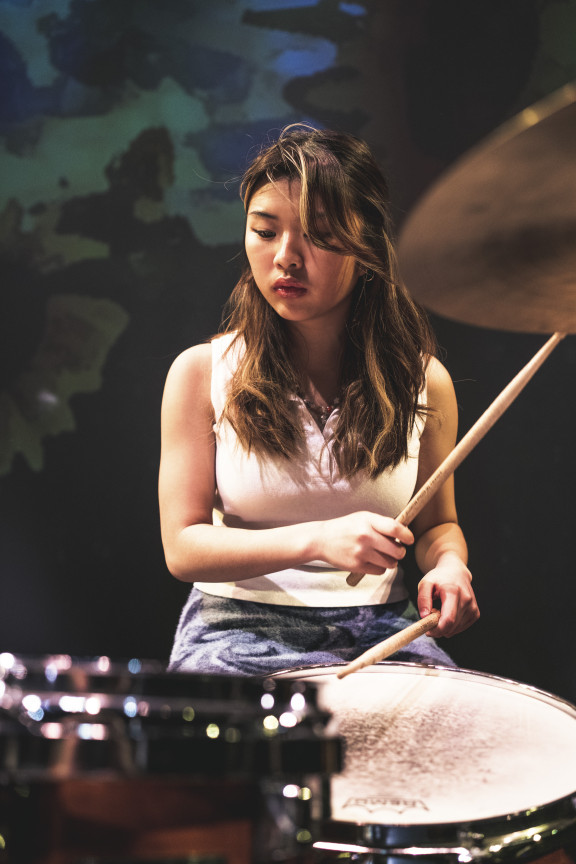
107 762
445 764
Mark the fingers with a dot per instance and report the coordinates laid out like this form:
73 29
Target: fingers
449 616
458 607
386 545
387 542
393 529
364 542
425 598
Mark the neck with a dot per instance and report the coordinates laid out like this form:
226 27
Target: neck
315 346
318 358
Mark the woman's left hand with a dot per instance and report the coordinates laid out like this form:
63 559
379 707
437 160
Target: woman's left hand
449 583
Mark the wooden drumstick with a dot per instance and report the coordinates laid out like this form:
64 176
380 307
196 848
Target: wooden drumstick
392 644
472 437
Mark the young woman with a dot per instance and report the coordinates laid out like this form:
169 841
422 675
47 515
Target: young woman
291 441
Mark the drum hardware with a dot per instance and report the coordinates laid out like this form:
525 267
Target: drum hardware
116 762
446 765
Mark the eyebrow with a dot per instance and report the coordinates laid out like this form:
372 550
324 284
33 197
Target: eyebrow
266 215
262 213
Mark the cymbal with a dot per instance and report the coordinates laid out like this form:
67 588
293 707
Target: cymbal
493 242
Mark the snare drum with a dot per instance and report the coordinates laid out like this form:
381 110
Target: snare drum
446 764
105 761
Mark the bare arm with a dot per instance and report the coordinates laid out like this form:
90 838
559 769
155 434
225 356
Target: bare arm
195 549
441 551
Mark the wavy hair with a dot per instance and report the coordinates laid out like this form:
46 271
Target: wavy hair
389 340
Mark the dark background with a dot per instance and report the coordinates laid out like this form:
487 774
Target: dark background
124 128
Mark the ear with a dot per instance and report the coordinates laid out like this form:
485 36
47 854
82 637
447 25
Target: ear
364 272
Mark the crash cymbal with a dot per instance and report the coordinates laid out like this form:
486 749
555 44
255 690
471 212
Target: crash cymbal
493 242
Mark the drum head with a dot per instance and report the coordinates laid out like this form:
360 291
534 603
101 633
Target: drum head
432 746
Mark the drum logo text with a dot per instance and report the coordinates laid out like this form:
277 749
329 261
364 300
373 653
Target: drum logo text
379 802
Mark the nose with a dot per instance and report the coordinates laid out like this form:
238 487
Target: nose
288 253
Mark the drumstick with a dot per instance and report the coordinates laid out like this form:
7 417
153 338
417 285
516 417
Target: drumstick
472 437
392 644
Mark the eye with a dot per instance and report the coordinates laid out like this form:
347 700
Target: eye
264 233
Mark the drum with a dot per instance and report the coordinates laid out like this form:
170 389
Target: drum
445 764
124 762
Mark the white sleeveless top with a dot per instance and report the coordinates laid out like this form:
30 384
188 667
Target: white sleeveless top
255 492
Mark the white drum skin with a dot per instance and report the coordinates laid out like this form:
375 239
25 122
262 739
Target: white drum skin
429 747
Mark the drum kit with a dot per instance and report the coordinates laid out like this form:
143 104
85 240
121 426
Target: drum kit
104 762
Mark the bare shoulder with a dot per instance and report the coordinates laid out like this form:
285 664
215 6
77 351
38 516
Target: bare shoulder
195 361
437 376
192 368
441 399
189 377
440 389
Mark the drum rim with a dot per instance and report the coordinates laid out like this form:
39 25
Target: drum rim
433 670
149 681
471 840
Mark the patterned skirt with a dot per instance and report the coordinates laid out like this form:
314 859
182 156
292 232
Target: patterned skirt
216 635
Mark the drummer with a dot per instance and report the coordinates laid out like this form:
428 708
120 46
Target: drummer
292 439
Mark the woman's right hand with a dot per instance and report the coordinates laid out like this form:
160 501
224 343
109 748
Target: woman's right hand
363 542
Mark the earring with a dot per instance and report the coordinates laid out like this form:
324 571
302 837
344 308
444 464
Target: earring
368 275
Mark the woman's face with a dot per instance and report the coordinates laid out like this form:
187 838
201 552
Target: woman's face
300 281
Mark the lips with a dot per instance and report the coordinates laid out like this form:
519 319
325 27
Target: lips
289 288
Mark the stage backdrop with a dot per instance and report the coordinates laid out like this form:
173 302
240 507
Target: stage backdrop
124 128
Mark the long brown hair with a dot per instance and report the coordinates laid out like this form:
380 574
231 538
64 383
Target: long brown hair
389 338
